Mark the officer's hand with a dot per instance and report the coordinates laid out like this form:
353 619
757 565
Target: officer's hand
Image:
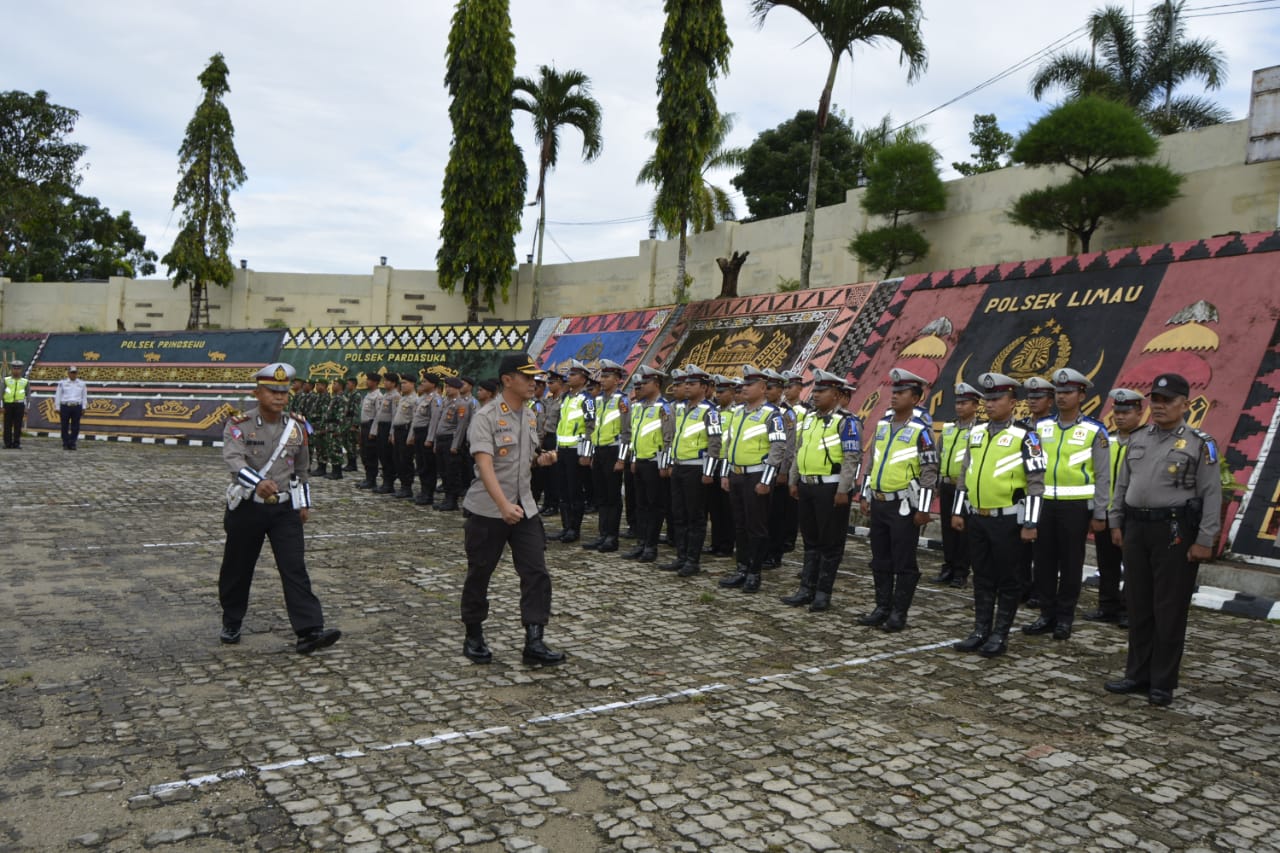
921 519
1097 525
584 461
1199 554
864 506
453 450
619 467
1028 534
664 473
842 499
762 489
266 488
512 513
795 492
724 484
430 445
410 441
782 479
957 523
1117 537
706 481
304 514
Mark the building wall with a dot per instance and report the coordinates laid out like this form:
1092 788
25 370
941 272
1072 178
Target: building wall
1221 193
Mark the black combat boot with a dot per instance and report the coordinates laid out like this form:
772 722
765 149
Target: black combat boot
998 643
984 603
474 646
903 591
884 599
808 580
320 470
738 578
648 555
635 553
945 575
403 493
821 602
689 569
594 544
802 595
536 652
335 474
351 465
674 566
609 545
450 504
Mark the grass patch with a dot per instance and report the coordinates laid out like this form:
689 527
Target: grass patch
706 598
14 679
340 717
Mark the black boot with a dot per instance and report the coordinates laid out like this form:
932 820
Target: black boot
594 543
648 555
945 575
983 604
803 595
884 599
998 643
609 545
474 646
752 583
404 493
536 652
450 504
335 474
320 470
808 580
738 578
351 466
634 553
903 591
1043 624
365 484
689 569
674 566
821 602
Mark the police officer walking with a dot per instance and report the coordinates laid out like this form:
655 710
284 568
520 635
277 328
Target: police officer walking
270 498
16 392
504 441
1165 515
1126 411
823 473
900 467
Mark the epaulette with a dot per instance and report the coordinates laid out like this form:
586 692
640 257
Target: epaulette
239 419
1210 446
299 418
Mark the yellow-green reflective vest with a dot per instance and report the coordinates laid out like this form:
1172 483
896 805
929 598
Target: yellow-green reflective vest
15 390
896 460
951 453
820 453
750 436
646 429
1119 451
608 420
996 470
572 421
1068 452
690 440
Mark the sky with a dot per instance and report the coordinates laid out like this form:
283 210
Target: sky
341 114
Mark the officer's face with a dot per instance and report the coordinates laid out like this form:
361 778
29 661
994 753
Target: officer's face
904 401
825 398
1127 420
519 384
753 391
1000 408
270 401
1040 406
773 392
648 389
966 409
1168 412
1068 401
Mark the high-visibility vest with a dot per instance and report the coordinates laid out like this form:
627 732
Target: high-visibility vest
1119 450
751 434
646 428
609 413
951 452
15 390
1069 474
823 441
996 470
690 440
572 422
895 460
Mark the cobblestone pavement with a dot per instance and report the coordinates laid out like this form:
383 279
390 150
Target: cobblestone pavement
686 718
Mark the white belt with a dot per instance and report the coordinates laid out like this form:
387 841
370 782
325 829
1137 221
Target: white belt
746 469
273 500
814 479
996 513
890 496
688 461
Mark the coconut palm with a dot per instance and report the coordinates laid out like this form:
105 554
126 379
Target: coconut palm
556 100
1142 73
843 25
707 204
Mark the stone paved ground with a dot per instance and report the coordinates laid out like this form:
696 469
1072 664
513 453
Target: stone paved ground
687 718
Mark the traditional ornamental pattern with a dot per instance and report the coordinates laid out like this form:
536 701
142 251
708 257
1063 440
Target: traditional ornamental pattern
495 336
159 374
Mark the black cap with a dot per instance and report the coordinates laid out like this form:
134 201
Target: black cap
373 374
1170 385
490 385
394 377
519 363
453 382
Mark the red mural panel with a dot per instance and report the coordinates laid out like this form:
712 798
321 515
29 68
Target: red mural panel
623 337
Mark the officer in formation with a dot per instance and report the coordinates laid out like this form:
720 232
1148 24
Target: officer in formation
425 416
952 444
71 398
267 452
999 490
572 421
783 524
824 471
718 509
652 430
388 402
401 431
693 460
900 469
351 435
370 404
1077 487
1127 414
1165 515
16 393
610 436
328 419
1039 402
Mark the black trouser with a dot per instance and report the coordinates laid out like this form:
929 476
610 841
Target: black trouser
447 467
403 456
484 539
955 544
369 450
69 415
425 458
629 497
549 484
246 526
608 489
722 532
1110 573
995 543
1062 532
824 528
1158 585
894 540
13 413
569 481
386 454
783 523
688 529
650 507
750 519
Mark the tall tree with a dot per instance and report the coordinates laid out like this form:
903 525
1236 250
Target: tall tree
1105 144
694 52
556 100
1142 73
485 178
901 180
843 25
775 168
210 169
991 146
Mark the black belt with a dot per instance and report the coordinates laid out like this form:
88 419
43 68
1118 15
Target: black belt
1162 513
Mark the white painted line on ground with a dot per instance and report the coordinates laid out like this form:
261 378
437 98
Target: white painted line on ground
309 536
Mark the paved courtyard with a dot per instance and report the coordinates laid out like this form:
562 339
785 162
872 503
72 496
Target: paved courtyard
686 718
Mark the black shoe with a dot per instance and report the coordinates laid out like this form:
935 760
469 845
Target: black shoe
629 533
996 645
594 543
959 581
634 553
803 595
549 509
384 490
945 575
1100 615
648 555
230 635
474 647
896 621
1062 631
752 583
1160 697
875 617
403 493
821 602
689 569
609 545
971 643
674 566
569 536
335 474
536 652
423 500
1092 582
1125 685
450 505
365 484
738 578
317 638
771 563
1042 625
1032 601
351 466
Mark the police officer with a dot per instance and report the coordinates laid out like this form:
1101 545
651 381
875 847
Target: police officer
573 427
503 438
998 498
444 439
610 434
952 445
401 430
652 429
71 398
754 446
722 533
556 389
267 454
388 403
427 411
695 462
783 525
369 407
351 438
322 438
1077 487
16 392
1165 515
1126 411
1039 399
900 467
823 473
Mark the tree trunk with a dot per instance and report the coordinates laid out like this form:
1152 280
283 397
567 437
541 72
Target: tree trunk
729 269
681 292
197 297
811 203
542 235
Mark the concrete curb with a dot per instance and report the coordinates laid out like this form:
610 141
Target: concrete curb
131 439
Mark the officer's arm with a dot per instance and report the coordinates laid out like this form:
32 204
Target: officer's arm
464 425
928 477
1115 511
715 433
668 420
777 449
793 464
233 454
1209 490
1033 461
1102 474
851 444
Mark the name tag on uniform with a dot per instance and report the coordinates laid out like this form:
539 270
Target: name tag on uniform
975 438
1046 430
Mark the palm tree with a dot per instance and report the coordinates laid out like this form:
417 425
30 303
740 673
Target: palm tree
843 25
707 204
1142 73
555 100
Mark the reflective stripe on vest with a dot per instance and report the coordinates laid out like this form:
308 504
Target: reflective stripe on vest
646 429
691 433
571 423
751 443
608 421
896 466
996 470
15 391
820 452
1068 453
951 454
